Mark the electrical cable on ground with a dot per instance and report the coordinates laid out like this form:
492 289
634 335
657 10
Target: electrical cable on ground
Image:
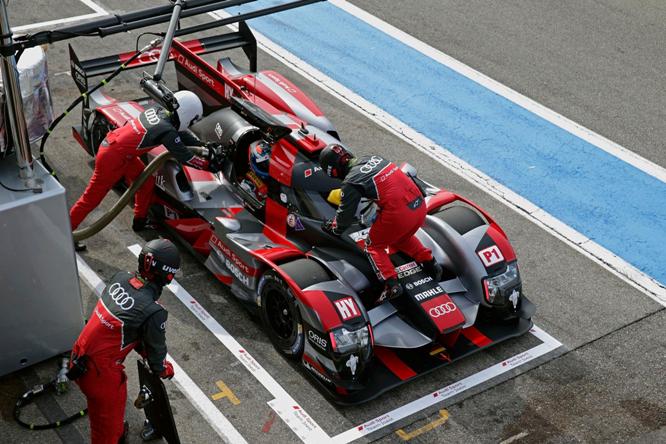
29 396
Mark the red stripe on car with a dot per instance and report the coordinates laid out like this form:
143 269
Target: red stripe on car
502 242
476 337
319 302
394 363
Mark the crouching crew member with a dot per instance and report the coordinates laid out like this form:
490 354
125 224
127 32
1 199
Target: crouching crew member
126 317
402 211
118 155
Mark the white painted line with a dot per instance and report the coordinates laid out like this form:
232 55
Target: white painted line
284 405
516 437
99 11
205 406
94 6
588 248
181 379
549 344
557 119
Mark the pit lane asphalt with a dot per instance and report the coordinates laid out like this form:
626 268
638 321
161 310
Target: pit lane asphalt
604 387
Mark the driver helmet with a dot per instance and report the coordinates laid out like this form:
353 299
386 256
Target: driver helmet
190 109
260 153
159 261
334 160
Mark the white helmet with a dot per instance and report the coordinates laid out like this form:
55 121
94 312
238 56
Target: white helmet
189 109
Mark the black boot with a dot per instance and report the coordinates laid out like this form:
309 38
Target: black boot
142 223
433 269
392 290
79 246
124 438
148 433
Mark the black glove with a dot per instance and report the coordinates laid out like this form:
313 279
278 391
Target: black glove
215 157
330 227
213 147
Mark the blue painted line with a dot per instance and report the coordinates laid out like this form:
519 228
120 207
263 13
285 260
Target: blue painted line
611 202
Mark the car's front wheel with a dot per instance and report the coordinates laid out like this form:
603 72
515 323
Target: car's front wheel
280 315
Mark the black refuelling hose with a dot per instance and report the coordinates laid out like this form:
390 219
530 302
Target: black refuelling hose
79 99
106 219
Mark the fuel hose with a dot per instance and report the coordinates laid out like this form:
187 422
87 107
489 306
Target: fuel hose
79 99
106 219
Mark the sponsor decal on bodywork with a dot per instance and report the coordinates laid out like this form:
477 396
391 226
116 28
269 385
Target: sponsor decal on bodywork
317 339
427 294
443 312
412 285
491 255
234 264
407 269
347 308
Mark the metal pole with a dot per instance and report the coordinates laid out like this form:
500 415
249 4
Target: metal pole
166 46
10 80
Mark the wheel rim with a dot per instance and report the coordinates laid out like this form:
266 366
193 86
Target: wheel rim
281 316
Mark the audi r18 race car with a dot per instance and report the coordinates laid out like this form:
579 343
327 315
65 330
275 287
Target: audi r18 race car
263 237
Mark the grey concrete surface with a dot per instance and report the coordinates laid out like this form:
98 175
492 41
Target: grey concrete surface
600 63
601 386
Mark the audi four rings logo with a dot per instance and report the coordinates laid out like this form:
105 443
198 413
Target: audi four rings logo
120 297
371 165
442 309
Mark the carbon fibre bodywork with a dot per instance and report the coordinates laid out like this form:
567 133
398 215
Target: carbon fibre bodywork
263 243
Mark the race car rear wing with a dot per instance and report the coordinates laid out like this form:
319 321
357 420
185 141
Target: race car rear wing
82 70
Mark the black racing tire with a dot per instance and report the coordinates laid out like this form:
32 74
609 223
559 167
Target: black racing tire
461 218
281 316
98 130
280 312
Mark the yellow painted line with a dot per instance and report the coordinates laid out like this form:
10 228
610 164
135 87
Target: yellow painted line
225 392
406 436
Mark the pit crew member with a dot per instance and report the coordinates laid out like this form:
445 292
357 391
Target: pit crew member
401 211
118 155
126 317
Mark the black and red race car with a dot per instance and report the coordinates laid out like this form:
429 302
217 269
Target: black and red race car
262 237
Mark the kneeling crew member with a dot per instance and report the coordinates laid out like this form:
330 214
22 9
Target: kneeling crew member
119 152
402 211
126 317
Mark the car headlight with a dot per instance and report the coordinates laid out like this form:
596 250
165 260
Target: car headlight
497 287
346 341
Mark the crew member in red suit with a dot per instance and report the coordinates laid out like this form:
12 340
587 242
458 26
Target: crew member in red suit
126 317
402 211
118 155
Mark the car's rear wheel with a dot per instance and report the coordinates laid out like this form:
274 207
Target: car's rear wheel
98 130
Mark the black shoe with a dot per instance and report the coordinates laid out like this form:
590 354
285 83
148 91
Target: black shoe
142 223
433 269
79 246
124 438
148 433
392 290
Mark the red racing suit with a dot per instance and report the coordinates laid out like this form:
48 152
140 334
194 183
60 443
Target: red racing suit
401 212
118 157
126 316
